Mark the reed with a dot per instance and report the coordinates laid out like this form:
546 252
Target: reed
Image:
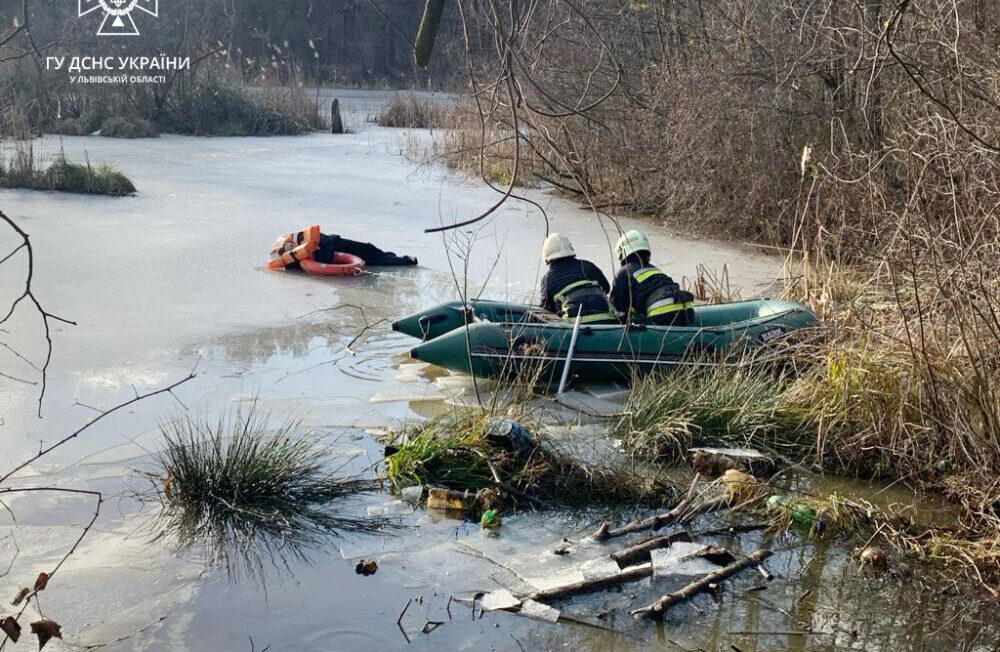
413 112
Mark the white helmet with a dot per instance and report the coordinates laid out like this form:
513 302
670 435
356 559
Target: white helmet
557 246
631 242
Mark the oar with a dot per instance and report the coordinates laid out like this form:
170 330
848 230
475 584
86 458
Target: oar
569 353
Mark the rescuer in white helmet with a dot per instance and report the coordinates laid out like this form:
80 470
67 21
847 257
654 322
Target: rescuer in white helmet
573 286
642 293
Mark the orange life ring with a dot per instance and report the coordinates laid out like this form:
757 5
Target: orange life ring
342 265
306 242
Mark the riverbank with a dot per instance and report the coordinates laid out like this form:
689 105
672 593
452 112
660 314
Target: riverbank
902 388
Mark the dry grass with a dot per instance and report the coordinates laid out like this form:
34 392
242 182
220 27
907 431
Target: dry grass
413 112
864 144
483 148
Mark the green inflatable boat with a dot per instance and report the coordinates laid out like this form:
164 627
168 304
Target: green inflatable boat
493 338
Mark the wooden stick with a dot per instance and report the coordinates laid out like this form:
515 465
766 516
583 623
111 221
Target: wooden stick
586 586
657 609
569 352
640 552
605 532
629 574
677 514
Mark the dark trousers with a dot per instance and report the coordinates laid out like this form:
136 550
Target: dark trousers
372 255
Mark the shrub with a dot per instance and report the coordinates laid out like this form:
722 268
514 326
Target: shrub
411 111
68 127
453 451
128 128
211 108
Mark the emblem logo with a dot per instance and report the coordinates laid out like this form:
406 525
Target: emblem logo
118 14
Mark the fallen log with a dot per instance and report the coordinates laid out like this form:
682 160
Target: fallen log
657 609
640 552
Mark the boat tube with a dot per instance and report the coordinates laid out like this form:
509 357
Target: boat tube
487 343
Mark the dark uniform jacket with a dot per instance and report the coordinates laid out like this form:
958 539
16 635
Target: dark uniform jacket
571 285
645 294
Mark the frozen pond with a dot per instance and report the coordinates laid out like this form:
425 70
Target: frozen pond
173 279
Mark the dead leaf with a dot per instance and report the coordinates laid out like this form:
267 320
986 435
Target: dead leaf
45 630
168 483
21 595
42 581
11 628
366 567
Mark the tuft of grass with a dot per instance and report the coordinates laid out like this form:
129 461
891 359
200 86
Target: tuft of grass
452 451
741 405
128 128
103 179
411 111
64 176
251 483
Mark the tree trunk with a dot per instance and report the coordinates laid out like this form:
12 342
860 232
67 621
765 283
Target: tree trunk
336 123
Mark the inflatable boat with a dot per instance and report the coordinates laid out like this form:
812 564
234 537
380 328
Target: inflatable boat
492 338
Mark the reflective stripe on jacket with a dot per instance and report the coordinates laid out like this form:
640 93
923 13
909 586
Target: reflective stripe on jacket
572 286
645 292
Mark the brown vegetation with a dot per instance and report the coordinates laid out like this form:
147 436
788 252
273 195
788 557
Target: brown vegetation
863 140
411 111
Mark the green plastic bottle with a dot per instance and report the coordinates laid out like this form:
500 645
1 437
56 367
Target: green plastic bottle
490 519
801 513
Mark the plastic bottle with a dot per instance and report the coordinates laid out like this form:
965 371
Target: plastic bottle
441 498
490 519
803 514
412 494
800 512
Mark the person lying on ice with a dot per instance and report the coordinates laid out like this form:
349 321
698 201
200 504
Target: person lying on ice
321 247
642 293
572 285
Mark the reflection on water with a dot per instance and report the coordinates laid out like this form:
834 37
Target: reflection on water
353 322
819 600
